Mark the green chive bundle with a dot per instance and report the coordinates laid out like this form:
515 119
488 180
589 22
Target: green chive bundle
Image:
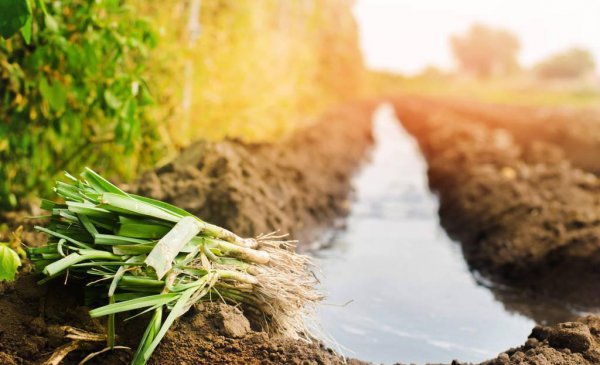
149 256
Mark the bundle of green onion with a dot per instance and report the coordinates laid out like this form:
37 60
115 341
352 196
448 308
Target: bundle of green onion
150 256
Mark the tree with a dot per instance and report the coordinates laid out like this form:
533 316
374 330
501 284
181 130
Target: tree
570 64
485 51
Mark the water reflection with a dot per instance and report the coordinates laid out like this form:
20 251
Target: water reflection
414 299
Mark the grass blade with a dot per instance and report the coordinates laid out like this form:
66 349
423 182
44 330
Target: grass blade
101 184
162 205
178 310
128 205
148 337
110 326
133 304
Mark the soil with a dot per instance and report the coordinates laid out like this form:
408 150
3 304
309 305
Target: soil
572 343
220 334
299 185
574 130
33 317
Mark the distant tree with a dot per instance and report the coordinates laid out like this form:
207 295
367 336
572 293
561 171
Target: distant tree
486 51
570 64
432 72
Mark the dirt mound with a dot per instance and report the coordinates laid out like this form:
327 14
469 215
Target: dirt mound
220 334
33 320
33 316
574 130
295 186
572 343
523 213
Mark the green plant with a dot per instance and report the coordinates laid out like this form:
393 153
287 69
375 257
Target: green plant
15 15
9 262
146 255
9 256
72 92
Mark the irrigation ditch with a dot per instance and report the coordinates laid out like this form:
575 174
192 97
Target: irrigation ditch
522 204
521 196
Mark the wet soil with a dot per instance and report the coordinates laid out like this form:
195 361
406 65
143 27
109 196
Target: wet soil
298 185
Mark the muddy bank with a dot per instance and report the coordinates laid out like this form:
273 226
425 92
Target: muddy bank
573 343
525 215
573 130
297 186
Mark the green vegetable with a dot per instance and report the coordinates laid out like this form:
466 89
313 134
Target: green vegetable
149 256
9 262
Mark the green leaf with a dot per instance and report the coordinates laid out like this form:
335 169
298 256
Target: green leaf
59 235
109 239
14 15
133 304
58 266
141 230
40 4
164 206
91 211
9 263
27 27
178 310
51 23
54 93
99 183
110 326
148 337
129 205
112 100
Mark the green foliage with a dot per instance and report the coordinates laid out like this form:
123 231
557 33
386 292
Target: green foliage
73 96
74 76
572 63
9 263
485 51
259 69
15 15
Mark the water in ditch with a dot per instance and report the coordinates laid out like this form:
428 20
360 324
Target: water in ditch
398 288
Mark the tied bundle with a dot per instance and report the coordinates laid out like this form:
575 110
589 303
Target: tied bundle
148 256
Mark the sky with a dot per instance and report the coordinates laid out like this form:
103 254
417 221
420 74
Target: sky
407 35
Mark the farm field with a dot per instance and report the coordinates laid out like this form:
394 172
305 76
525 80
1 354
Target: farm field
341 182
